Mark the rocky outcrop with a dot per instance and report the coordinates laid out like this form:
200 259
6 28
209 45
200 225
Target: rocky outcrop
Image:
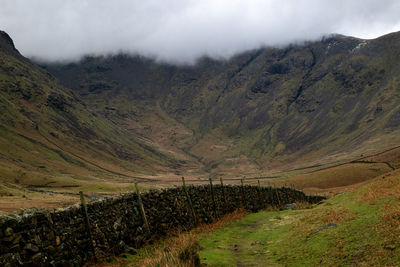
58 101
6 41
7 45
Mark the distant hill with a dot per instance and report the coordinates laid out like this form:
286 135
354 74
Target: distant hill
50 136
262 110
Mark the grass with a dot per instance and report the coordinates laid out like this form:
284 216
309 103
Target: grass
358 228
344 175
180 249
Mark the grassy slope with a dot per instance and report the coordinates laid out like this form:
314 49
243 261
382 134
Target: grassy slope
366 234
50 138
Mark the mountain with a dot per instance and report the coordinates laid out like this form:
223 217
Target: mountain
102 123
50 137
263 110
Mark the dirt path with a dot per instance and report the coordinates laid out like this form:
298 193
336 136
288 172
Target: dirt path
246 243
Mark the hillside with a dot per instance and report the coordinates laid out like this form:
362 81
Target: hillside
311 115
261 111
50 138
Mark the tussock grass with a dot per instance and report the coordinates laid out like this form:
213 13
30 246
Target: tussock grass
180 249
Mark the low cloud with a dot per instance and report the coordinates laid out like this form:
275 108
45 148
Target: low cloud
182 30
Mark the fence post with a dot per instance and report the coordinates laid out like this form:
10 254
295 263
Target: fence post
213 197
259 192
146 224
277 196
242 189
223 192
189 201
85 213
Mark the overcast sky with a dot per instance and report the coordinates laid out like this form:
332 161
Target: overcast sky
182 30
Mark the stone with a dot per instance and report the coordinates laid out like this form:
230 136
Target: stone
13 239
117 224
50 249
37 259
289 206
130 250
323 227
31 247
121 245
50 235
10 259
14 248
37 239
58 242
8 232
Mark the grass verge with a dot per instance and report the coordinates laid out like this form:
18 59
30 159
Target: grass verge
357 228
181 249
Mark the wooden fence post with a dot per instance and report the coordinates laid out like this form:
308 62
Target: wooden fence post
242 189
259 192
189 201
89 231
146 224
223 190
277 196
213 198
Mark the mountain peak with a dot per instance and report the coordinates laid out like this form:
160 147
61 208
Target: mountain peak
7 38
6 43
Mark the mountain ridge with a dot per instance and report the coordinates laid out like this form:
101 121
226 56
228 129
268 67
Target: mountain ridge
103 123
263 104
49 137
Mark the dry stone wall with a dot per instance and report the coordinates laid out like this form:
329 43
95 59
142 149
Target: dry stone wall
61 237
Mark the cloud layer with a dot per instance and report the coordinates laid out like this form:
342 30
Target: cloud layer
183 30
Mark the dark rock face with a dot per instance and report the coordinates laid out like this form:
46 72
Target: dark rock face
7 39
278 68
60 238
261 85
58 101
7 44
98 87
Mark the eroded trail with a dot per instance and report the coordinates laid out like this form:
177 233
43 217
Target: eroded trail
248 242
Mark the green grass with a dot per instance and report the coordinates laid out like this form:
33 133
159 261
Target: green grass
363 235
